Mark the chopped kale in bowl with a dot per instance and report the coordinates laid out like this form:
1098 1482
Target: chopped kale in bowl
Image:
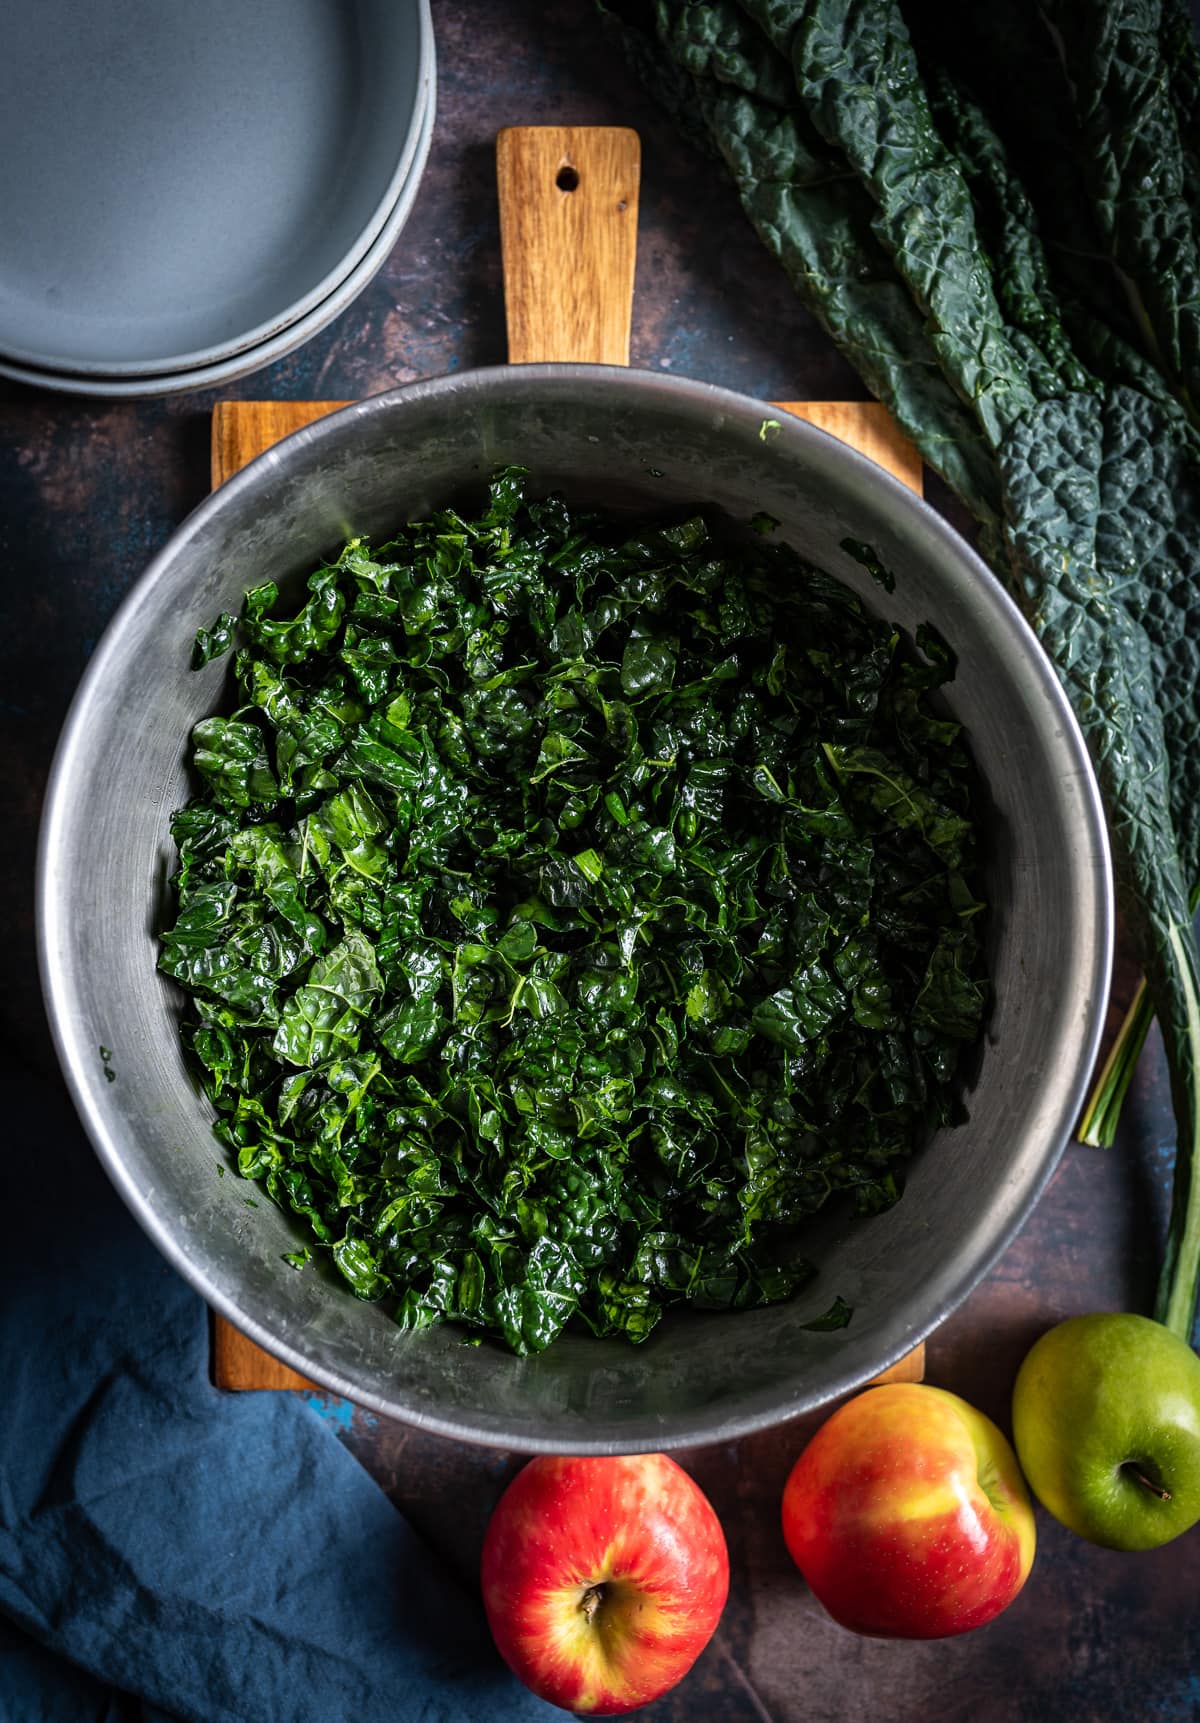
568 915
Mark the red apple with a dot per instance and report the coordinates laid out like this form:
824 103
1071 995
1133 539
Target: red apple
908 1516
603 1579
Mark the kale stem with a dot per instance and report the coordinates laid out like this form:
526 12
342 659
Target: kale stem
1098 1126
1139 1477
1180 1281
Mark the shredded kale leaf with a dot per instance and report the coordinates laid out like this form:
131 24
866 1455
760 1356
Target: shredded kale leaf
567 916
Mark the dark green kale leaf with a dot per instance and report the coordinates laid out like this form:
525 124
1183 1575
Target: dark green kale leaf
1112 54
567 917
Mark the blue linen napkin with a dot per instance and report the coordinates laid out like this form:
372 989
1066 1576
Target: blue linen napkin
168 1551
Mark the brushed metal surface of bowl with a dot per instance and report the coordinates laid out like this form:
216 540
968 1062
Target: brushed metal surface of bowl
633 442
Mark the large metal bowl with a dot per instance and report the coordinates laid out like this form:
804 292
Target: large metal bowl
633 442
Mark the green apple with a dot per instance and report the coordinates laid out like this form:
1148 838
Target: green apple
1106 1421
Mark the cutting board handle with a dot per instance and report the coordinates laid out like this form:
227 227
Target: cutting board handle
568 239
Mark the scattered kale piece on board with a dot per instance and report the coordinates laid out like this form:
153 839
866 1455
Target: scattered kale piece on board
567 915
993 210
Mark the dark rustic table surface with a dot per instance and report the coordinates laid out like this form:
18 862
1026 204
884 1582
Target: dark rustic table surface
88 491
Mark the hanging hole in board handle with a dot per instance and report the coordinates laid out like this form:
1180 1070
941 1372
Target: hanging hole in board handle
568 179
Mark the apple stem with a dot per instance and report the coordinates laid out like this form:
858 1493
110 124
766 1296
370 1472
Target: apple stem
1139 1477
591 1601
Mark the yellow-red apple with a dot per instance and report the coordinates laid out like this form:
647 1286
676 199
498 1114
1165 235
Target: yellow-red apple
908 1516
603 1579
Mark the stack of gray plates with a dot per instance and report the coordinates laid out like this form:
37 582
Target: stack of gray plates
190 190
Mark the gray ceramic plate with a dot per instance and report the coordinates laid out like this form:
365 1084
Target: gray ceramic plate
182 182
285 341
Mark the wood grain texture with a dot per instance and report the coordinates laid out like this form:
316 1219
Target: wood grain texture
868 427
910 1368
568 240
241 430
239 1364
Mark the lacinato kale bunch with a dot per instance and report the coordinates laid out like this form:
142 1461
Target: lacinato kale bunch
568 915
995 211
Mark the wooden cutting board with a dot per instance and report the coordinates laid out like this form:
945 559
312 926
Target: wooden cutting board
568 234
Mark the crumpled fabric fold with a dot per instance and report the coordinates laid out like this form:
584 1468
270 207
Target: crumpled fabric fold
169 1551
